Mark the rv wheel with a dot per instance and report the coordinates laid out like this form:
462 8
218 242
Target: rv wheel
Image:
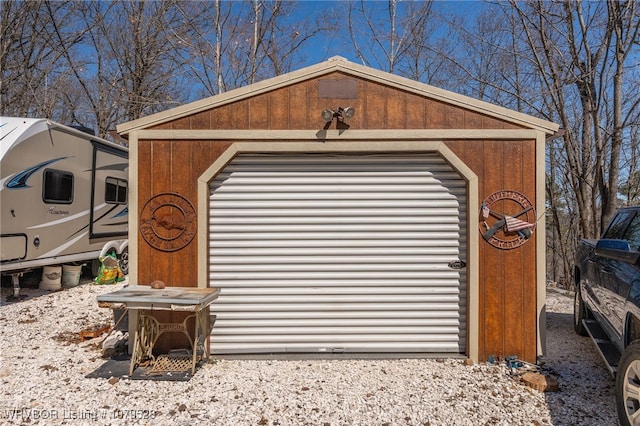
124 261
95 267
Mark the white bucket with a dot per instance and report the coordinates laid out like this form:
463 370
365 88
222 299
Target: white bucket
71 275
51 276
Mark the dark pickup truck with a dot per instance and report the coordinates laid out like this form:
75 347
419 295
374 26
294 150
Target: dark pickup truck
607 305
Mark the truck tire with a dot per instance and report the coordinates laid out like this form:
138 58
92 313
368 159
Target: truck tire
579 313
628 385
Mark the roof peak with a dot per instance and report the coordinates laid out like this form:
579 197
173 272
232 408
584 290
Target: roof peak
340 64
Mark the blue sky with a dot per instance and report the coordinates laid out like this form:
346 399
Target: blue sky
324 47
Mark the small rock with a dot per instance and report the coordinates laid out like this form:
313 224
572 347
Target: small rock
114 343
540 382
158 284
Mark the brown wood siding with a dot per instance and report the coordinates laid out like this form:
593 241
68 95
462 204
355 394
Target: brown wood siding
507 278
507 294
298 107
171 167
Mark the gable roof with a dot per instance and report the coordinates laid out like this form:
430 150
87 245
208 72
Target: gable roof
339 64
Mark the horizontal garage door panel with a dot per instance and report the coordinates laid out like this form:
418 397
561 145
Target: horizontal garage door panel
338 253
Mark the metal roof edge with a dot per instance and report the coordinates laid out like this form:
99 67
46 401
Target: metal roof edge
339 64
53 125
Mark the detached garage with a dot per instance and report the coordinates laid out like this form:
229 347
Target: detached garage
340 209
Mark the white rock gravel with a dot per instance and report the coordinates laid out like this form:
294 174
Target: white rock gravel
42 377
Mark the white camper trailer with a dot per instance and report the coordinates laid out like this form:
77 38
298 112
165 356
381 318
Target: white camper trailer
63 197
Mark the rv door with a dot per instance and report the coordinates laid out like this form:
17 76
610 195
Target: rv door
110 193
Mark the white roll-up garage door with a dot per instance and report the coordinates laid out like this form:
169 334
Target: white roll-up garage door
338 253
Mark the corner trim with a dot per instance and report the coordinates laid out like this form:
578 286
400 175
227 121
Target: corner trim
541 245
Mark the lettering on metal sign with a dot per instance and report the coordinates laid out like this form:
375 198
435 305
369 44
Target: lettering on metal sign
168 222
164 327
507 219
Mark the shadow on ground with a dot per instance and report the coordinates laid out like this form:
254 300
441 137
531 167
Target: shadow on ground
586 395
30 283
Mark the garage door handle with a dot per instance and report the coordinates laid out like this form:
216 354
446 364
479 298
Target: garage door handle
457 264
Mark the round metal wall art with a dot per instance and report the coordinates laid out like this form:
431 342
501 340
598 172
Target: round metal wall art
168 222
507 219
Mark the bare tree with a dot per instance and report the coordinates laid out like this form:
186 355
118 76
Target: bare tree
99 63
91 63
556 59
593 37
569 62
630 187
32 69
624 23
580 52
132 60
232 44
383 36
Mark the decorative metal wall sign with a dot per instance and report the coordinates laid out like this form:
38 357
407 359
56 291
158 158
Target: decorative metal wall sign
168 222
507 219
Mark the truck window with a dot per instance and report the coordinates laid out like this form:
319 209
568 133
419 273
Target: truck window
633 234
115 191
618 226
57 187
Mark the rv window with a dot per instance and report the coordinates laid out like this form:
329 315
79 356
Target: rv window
115 191
58 187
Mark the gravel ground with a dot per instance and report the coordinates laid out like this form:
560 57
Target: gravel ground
43 367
